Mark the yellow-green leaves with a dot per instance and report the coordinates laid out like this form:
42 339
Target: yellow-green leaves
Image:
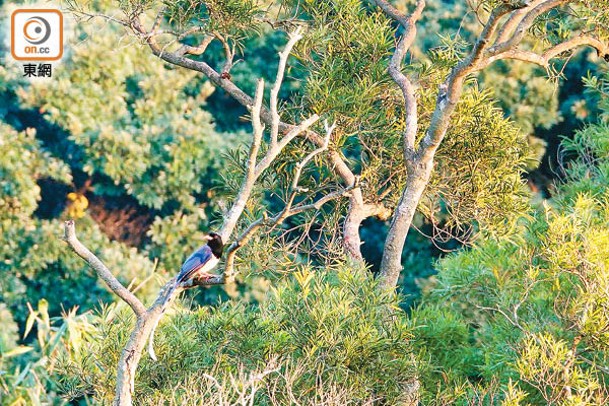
532 310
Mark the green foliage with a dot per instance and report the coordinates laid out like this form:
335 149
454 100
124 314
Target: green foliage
229 17
477 179
23 162
26 371
334 328
598 86
529 311
33 262
135 128
9 332
151 137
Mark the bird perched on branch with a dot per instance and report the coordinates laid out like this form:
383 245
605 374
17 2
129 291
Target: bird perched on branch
198 264
202 260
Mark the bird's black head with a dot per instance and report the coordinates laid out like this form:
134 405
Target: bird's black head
216 244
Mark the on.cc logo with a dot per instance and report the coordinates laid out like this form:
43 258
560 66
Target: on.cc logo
36 30
37 34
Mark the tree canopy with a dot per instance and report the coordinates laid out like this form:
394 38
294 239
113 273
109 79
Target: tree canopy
412 196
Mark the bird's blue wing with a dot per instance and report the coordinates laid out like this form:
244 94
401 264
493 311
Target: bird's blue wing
194 262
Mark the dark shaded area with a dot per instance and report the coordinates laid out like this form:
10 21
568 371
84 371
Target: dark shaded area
52 199
121 218
571 90
218 104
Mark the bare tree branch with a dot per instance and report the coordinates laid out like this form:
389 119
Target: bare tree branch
408 91
145 319
355 214
526 23
274 103
468 64
358 211
231 218
544 58
198 50
178 58
81 13
287 211
394 13
254 168
158 19
514 19
102 271
452 88
228 51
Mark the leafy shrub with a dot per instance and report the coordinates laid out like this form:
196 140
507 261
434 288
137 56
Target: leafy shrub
524 318
334 328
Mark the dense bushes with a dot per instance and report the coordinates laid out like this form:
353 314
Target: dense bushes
525 317
328 330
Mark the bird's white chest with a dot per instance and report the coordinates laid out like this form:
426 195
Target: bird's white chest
209 265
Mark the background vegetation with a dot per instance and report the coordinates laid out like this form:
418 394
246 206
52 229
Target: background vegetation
506 303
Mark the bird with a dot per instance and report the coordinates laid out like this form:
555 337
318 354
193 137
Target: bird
203 260
199 263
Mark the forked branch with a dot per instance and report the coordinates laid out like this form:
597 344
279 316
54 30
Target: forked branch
287 211
508 33
147 319
102 270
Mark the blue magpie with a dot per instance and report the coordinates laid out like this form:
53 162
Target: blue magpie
199 263
202 260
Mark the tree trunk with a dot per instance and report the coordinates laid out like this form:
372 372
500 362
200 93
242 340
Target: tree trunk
391 265
127 365
132 353
131 356
353 221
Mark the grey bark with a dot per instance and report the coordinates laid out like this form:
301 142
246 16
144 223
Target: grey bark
391 264
419 161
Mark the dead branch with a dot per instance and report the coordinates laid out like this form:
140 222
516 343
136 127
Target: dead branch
148 319
102 271
287 211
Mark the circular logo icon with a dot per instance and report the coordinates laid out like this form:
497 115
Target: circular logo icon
36 30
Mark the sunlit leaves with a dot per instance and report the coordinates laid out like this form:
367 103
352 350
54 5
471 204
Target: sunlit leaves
78 206
530 309
342 333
